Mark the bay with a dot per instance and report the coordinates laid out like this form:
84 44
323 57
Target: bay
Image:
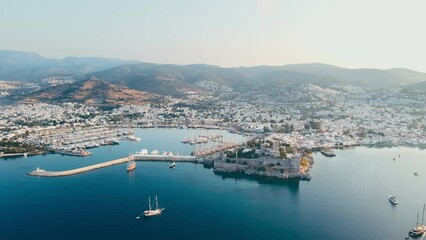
346 198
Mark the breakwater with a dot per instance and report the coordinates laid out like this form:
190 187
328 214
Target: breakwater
13 154
43 173
164 158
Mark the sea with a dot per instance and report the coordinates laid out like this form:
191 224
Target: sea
347 197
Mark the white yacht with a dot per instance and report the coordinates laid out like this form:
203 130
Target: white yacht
153 212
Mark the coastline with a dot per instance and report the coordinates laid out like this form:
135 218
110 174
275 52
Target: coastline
264 166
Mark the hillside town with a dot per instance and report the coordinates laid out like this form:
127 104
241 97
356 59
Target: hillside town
328 120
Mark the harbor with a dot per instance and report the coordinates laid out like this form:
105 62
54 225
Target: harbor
143 155
294 205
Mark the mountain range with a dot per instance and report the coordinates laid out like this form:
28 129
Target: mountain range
171 79
177 80
27 66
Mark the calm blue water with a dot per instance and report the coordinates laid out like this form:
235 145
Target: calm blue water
346 198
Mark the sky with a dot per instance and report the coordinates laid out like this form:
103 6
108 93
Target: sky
348 33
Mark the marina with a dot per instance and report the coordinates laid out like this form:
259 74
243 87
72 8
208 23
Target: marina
142 155
73 140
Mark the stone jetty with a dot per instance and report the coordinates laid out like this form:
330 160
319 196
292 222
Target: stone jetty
157 158
43 173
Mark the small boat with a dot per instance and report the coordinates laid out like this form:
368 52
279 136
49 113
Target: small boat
328 153
419 230
393 200
153 212
133 138
416 173
131 166
172 165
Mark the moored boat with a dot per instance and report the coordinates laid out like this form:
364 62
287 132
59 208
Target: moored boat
75 152
393 200
419 230
131 166
328 153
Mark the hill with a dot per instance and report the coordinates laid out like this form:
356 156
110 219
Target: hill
92 92
160 79
415 88
173 79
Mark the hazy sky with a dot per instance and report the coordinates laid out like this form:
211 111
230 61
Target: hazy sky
352 33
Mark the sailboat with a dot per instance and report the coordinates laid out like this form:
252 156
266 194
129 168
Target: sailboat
153 212
419 230
131 166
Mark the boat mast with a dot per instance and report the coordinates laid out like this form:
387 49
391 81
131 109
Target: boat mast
149 202
156 202
417 219
423 217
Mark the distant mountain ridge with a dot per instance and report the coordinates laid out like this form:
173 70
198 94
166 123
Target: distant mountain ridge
178 80
167 77
27 66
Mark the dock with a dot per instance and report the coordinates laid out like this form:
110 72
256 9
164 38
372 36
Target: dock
43 173
13 154
155 158
166 158
220 148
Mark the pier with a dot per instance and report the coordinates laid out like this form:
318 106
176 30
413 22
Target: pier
13 154
156 158
166 158
209 151
43 173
